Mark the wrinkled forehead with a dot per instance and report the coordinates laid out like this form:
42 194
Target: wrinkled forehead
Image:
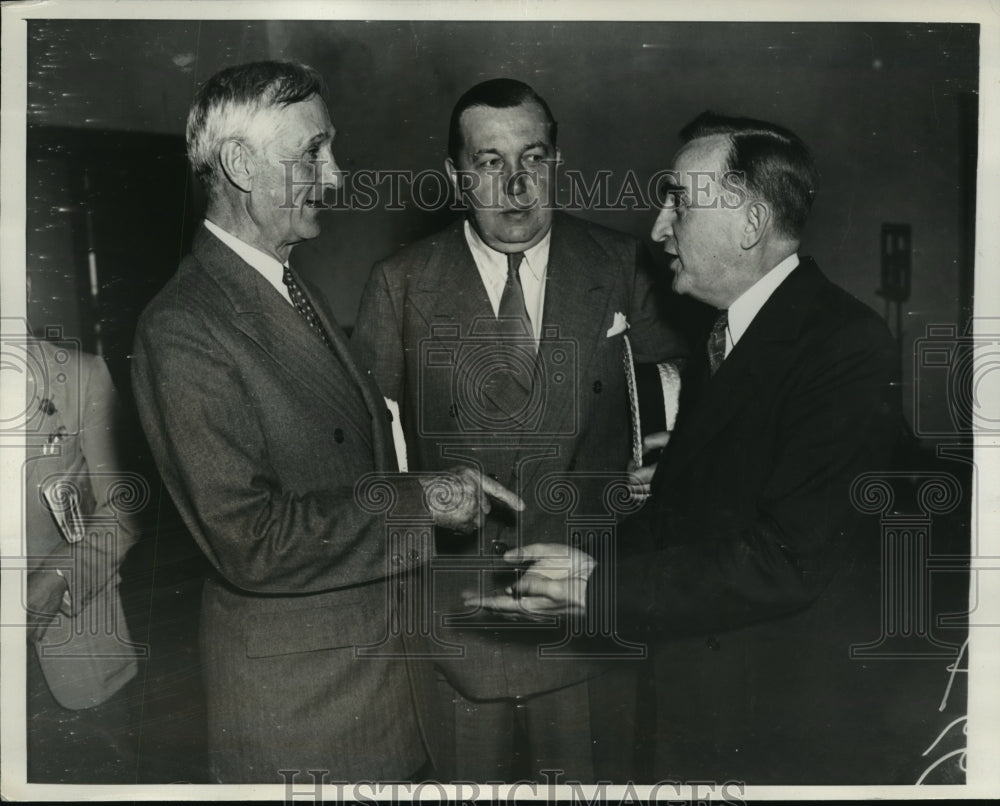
301 120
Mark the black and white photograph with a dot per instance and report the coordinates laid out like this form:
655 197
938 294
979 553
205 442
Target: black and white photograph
483 401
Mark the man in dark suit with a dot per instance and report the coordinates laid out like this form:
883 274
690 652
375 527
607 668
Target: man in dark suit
503 338
262 425
749 562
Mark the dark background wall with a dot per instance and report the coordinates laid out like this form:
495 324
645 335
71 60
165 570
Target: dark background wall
888 108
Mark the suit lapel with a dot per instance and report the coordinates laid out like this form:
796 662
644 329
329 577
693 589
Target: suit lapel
373 400
281 332
450 291
753 365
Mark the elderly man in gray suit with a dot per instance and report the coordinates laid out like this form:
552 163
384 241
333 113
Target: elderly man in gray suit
503 338
261 425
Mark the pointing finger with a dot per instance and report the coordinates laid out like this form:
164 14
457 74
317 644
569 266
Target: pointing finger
495 489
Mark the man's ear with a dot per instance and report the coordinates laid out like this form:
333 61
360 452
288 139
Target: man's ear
758 221
237 164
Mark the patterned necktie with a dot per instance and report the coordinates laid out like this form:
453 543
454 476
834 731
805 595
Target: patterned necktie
717 342
304 306
513 312
511 380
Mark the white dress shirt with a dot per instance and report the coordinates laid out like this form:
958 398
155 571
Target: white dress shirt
492 267
742 312
270 267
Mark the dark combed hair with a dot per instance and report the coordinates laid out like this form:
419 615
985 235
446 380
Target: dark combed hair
770 162
232 95
498 93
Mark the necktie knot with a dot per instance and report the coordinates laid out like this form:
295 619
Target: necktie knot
514 266
513 311
717 342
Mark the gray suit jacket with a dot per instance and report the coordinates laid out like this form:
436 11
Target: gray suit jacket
261 434
422 331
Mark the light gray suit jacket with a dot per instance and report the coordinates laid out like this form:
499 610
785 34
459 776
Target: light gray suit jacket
261 434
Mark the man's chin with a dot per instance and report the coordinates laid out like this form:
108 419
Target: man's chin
509 234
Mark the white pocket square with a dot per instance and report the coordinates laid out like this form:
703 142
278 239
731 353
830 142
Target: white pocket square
620 325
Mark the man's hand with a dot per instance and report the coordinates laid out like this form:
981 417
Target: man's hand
553 584
459 500
640 477
45 596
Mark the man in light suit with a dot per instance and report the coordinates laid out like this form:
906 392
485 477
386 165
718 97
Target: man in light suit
78 525
503 338
749 563
262 426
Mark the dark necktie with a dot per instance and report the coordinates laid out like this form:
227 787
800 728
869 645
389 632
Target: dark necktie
717 342
304 306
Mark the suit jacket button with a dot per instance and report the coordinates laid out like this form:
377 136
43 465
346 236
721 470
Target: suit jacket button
713 643
338 435
598 386
499 548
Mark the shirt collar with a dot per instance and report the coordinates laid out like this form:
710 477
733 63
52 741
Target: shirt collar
742 312
269 266
536 258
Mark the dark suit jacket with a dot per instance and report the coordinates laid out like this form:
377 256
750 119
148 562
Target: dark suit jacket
260 434
422 329
83 667
748 556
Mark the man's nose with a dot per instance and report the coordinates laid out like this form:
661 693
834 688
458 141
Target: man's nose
663 227
330 173
516 182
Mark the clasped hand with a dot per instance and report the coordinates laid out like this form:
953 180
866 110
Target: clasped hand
554 582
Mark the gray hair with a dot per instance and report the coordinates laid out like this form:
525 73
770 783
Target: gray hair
229 105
